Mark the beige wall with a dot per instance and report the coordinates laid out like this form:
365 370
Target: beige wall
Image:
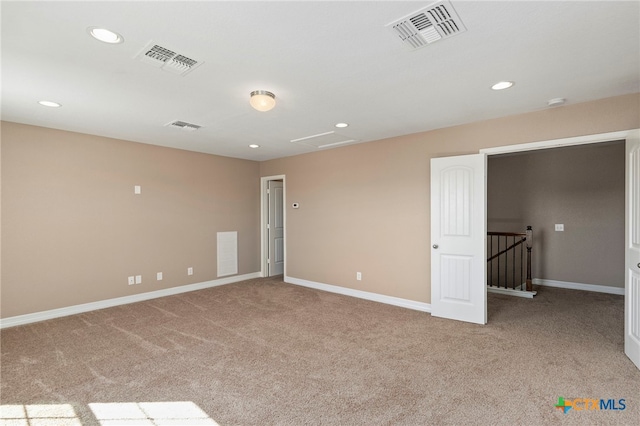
73 230
581 187
366 207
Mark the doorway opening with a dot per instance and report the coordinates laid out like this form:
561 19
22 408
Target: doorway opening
573 198
273 225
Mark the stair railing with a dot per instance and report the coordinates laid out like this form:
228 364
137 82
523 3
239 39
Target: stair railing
508 265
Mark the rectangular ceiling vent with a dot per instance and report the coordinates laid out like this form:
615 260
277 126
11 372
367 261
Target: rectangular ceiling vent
188 127
166 59
427 25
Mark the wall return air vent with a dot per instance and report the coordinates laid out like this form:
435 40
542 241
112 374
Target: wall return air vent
167 59
427 25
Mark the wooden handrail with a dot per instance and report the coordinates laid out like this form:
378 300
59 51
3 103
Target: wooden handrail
508 248
508 234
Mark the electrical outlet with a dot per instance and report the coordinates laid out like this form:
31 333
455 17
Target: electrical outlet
137 189
132 280
159 276
189 271
559 226
138 279
359 276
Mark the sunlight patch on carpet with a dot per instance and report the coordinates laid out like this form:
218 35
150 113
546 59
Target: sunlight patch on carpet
49 414
171 413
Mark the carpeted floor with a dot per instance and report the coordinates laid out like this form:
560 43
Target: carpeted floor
263 352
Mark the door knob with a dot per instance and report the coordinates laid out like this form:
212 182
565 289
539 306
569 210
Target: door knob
638 265
435 246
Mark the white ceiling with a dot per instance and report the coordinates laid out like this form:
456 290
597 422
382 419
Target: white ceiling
327 62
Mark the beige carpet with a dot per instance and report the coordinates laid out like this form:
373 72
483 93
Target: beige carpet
263 352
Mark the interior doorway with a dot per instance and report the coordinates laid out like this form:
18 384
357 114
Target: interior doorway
273 225
574 198
632 222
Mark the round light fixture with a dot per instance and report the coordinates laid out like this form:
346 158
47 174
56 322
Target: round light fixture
502 85
50 104
254 146
342 125
262 100
105 35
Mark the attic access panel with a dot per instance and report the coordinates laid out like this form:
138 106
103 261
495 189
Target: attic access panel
324 140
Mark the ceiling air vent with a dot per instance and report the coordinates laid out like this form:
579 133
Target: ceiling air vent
428 25
188 127
167 59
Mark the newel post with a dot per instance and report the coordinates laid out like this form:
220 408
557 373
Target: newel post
529 245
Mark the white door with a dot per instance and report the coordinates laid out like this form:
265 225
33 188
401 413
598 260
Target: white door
275 228
632 249
458 235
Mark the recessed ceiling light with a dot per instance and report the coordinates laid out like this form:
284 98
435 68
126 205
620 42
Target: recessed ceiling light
502 85
105 35
50 104
341 125
253 145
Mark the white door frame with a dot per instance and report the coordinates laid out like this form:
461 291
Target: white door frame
556 143
264 218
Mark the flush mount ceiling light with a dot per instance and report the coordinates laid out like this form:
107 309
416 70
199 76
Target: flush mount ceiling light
262 100
502 85
254 146
105 35
342 125
50 104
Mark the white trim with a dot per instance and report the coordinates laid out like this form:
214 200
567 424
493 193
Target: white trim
93 306
554 143
264 214
389 300
579 286
511 292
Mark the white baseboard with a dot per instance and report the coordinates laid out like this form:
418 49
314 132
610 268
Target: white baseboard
579 286
389 300
86 307
511 292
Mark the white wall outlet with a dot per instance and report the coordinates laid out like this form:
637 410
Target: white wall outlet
559 226
189 271
359 276
132 280
138 279
159 276
137 189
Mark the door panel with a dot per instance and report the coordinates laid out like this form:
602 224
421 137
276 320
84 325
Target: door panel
275 228
632 251
458 233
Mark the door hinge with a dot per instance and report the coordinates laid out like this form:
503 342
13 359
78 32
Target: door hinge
268 227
